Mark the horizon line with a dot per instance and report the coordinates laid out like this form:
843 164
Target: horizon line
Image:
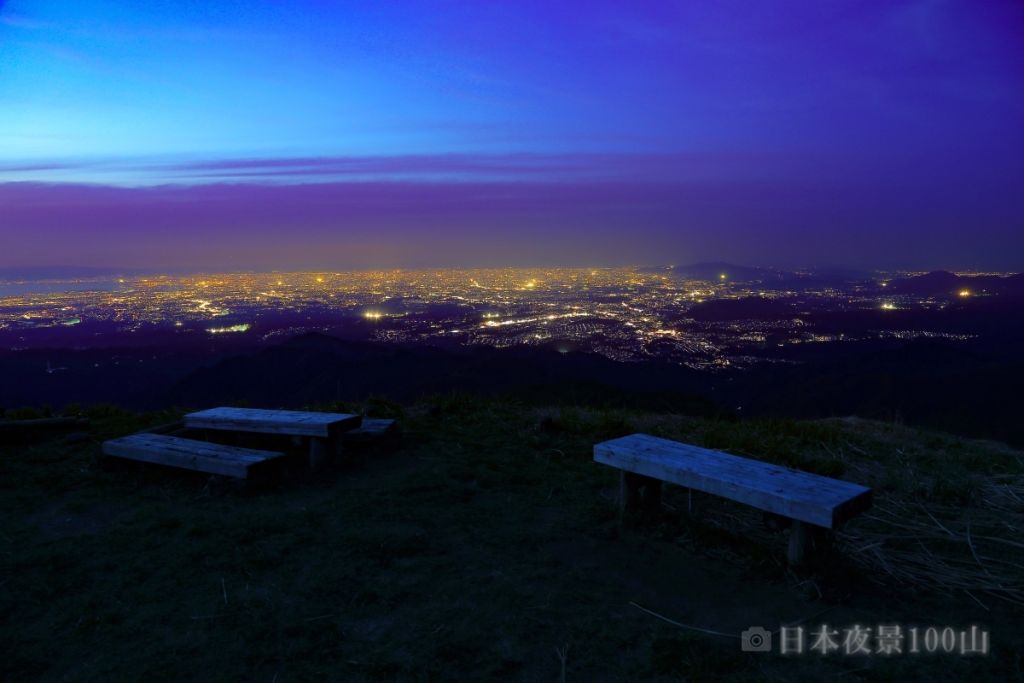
99 272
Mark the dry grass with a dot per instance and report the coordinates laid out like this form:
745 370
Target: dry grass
969 549
948 512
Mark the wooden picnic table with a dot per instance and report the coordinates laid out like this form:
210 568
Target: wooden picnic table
323 430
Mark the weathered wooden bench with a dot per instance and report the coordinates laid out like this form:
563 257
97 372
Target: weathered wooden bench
202 456
814 503
322 429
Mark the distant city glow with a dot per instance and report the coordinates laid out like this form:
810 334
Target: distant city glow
243 327
965 292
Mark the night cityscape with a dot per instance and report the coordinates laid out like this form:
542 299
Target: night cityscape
625 314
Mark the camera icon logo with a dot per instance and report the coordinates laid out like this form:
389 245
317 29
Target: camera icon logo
756 639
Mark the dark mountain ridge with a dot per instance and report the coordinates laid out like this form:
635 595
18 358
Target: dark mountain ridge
969 390
767 278
945 283
314 368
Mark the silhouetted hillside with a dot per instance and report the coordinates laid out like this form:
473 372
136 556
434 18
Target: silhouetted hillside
739 309
944 283
133 378
971 387
315 368
714 271
923 383
767 278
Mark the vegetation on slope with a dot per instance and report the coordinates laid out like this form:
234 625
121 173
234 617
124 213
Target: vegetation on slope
487 546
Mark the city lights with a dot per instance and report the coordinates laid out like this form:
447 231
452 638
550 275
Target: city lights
621 313
244 327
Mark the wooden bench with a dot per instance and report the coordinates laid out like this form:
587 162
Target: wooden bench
814 503
202 456
322 429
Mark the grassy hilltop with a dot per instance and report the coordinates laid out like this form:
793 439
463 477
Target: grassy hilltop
487 545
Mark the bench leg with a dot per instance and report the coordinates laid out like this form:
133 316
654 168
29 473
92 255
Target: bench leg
652 495
629 490
319 452
798 537
639 492
806 540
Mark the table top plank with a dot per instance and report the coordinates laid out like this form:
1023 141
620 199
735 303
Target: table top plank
289 422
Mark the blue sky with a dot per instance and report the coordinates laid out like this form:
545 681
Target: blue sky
840 105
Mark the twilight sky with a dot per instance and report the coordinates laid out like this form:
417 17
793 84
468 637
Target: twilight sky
172 134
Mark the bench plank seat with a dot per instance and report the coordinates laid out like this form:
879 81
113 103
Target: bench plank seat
160 449
784 491
289 422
